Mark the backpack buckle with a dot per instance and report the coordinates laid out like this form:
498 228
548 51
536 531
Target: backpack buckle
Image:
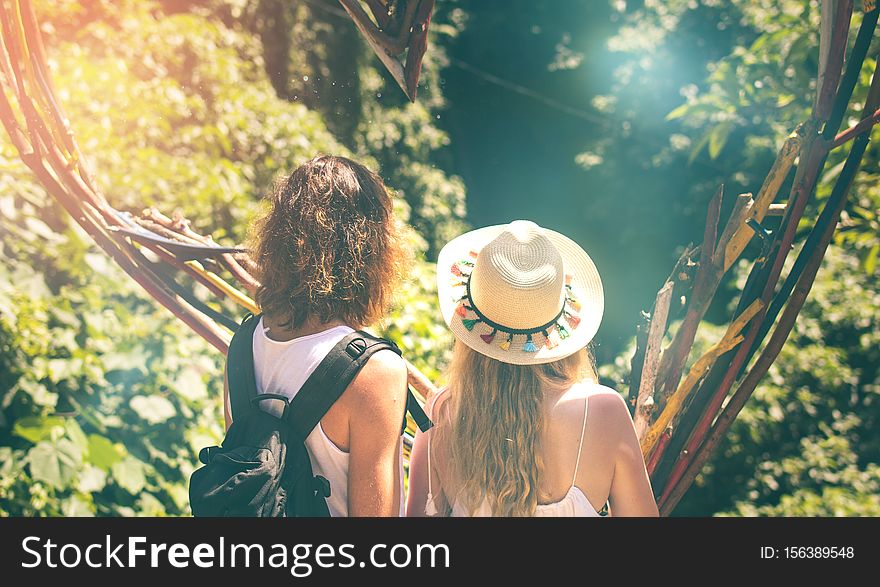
321 486
279 410
356 347
206 455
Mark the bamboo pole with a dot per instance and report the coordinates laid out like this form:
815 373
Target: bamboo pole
654 457
706 282
380 12
851 76
824 228
854 66
732 337
736 243
811 156
180 229
645 403
673 448
418 45
864 125
637 361
814 151
863 41
833 33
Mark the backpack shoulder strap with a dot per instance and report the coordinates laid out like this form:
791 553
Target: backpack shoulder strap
417 412
240 366
331 378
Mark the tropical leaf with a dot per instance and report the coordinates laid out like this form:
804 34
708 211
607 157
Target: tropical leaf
129 474
37 428
155 409
55 463
103 453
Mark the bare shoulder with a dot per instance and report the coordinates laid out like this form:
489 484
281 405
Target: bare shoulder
606 407
383 378
595 393
607 400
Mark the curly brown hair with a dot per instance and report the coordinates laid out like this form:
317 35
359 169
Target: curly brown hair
329 248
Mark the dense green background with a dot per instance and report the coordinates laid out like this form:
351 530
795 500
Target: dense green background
612 122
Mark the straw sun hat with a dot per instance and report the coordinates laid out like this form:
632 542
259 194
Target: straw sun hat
519 293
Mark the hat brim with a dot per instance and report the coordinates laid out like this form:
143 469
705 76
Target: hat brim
585 283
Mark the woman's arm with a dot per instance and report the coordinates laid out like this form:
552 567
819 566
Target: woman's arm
378 402
417 494
631 493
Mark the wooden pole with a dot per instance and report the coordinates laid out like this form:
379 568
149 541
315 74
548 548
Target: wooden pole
645 403
824 228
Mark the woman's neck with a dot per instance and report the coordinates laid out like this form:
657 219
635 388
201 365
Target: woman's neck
280 333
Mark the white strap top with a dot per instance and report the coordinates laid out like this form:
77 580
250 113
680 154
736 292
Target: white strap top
573 504
283 367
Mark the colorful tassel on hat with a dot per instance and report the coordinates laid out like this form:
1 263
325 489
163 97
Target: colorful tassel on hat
470 323
456 281
461 310
473 254
573 320
488 338
563 333
553 339
456 270
505 346
529 346
568 280
575 305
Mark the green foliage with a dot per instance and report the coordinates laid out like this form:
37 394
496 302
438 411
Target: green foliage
806 442
206 121
105 398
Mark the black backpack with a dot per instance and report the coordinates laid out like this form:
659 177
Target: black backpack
263 469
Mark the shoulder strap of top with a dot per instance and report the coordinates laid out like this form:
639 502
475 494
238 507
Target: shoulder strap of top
430 490
581 444
430 506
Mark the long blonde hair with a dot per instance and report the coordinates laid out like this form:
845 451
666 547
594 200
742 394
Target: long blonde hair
491 426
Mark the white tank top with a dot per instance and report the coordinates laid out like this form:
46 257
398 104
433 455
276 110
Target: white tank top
283 367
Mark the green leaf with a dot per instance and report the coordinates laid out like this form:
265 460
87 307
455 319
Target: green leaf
129 474
38 392
695 151
76 507
679 112
718 138
8 464
55 463
190 385
155 409
61 369
35 428
870 262
135 359
92 479
103 453
148 505
75 434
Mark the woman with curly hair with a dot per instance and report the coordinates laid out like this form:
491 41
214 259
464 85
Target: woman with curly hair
329 255
523 427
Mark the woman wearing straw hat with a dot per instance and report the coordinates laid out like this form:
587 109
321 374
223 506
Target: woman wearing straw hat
523 427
